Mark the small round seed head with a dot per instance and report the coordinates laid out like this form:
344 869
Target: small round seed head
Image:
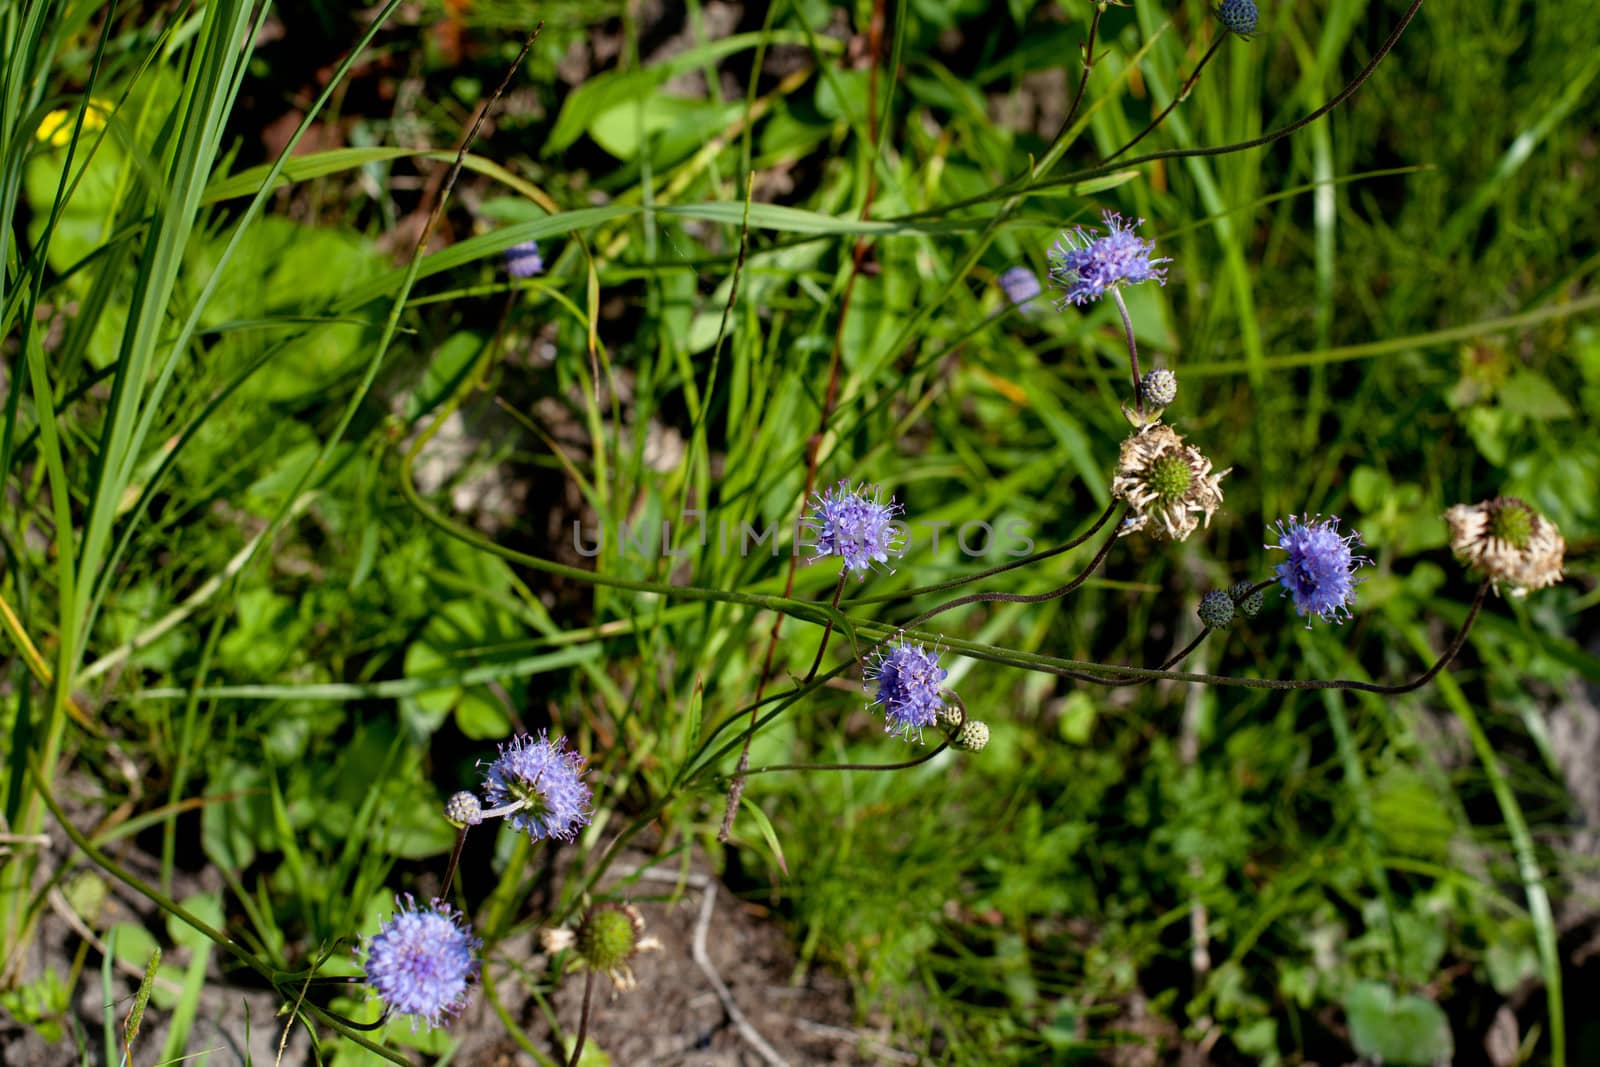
1248 603
1216 609
1159 387
1170 477
463 809
950 718
606 937
1238 17
972 736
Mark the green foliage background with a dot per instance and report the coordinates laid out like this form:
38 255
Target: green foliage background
218 391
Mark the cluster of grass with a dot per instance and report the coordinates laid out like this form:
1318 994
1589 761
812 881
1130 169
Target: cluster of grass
256 626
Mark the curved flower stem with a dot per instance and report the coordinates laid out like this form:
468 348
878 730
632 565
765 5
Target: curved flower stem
827 631
1042 665
366 1028
1115 683
583 1021
1018 598
956 583
1177 657
1022 187
1182 95
1133 349
455 861
1088 68
1450 652
901 766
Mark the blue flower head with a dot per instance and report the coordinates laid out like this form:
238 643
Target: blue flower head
1238 17
524 261
421 962
908 678
1319 574
1086 266
1020 285
855 525
545 778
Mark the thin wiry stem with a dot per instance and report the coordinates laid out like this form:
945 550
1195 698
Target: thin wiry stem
827 631
956 583
455 861
1182 95
1450 653
583 1021
901 766
1177 657
1088 68
1265 139
1018 598
1022 188
1133 349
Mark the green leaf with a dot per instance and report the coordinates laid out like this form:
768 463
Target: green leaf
1398 1029
1531 394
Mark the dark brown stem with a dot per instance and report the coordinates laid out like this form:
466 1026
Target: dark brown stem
1017 598
1285 684
827 631
956 583
1113 683
455 861
583 1021
1182 95
851 766
1083 80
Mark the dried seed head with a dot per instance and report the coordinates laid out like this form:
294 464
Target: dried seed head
1169 485
1512 544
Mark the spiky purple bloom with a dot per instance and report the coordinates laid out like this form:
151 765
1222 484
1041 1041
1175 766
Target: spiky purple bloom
524 261
855 525
422 962
546 777
1020 285
1086 266
908 678
1319 574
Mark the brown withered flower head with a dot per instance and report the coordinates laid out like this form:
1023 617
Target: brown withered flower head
1169 486
606 940
1513 545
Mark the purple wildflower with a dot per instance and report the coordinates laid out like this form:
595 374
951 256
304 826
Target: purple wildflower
1319 574
1020 285
542 780
1085 267
908 678
855 525
524 261
421 962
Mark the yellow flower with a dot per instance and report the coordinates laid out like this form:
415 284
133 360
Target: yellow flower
56 129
